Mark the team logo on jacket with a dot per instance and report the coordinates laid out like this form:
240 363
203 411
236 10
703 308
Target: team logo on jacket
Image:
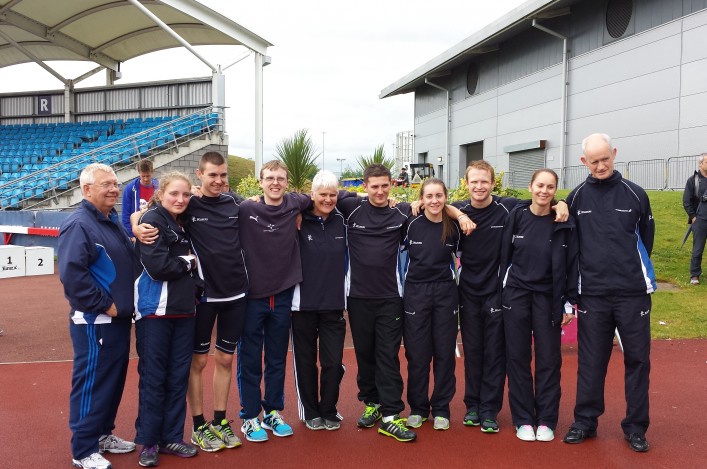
411 313
582 212
309 238
624 210
415 242
271 228
196 219
254 218
357 226
643 313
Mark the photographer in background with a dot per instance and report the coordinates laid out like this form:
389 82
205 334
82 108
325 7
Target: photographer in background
694 199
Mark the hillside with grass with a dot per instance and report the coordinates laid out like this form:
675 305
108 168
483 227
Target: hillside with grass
238 168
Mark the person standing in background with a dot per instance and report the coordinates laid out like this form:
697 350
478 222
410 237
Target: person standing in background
694 200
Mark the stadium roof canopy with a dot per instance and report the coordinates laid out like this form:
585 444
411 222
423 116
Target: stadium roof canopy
109 32
485 40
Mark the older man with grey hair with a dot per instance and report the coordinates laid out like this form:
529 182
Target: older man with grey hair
97 267
616 230
694 200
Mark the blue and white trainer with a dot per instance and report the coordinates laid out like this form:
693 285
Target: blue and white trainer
274 422
253 432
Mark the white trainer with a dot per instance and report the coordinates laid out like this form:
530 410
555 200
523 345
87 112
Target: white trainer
525 433
544 434
94 461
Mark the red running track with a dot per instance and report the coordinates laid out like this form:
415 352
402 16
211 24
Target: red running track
34 410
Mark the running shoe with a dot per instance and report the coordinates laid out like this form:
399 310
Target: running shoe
489 426
224 433
114 444
441 423
181 449
544 433
415 421
332 424
315 424
94 461
253 432
205 439
471 419
274 422
149 456
396 428
525 433
370 416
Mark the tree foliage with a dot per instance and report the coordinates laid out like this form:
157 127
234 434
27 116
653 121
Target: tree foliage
378 157
299 155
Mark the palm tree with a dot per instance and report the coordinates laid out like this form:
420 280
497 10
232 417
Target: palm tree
378 157
298 154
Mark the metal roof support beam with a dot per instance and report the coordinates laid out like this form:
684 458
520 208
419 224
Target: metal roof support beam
171 32
42 31
565 83
34 58
445 162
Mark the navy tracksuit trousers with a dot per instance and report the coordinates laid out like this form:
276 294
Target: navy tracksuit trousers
318 393
484 354
527 321
377 329
598 317
165 348
101 353
430 334
266 329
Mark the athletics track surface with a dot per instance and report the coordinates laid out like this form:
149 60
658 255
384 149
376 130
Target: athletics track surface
35 376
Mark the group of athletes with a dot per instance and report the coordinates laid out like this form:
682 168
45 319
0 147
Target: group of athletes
287 263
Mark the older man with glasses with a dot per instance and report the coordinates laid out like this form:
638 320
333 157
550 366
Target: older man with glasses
97 267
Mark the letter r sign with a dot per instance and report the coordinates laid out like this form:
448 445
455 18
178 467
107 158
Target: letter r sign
44 105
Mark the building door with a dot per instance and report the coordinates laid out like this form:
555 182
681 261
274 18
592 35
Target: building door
521 165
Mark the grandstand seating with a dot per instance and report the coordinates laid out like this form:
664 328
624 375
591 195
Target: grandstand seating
41 160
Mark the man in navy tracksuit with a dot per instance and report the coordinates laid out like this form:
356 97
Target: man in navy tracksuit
97 267
694 200
137 193
616 229
269 238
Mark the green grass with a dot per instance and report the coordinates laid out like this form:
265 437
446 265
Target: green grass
679 309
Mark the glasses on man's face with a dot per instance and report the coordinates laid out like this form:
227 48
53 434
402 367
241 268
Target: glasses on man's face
107 185
271 179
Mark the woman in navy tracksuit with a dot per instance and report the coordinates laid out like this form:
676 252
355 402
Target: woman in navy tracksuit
164 313
431 306
318 307
539 276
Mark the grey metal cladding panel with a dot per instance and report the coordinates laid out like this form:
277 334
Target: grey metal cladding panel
694 41
587 27
692 111
199 93
530 118
57 103
602 67
646 147
528 52
123 99
654 117
90 101
155 96
696 20
488 74
694 77
692 141
431 126
638 91
652 13
475 132
428 99
533 94
16 106
470 112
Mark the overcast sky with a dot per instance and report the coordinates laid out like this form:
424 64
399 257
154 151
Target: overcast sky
330 61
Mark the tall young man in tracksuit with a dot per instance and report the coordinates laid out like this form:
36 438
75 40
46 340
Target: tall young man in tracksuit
213 224
269 239
480 318
616 230
97 267
375 305
318 307
694 200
